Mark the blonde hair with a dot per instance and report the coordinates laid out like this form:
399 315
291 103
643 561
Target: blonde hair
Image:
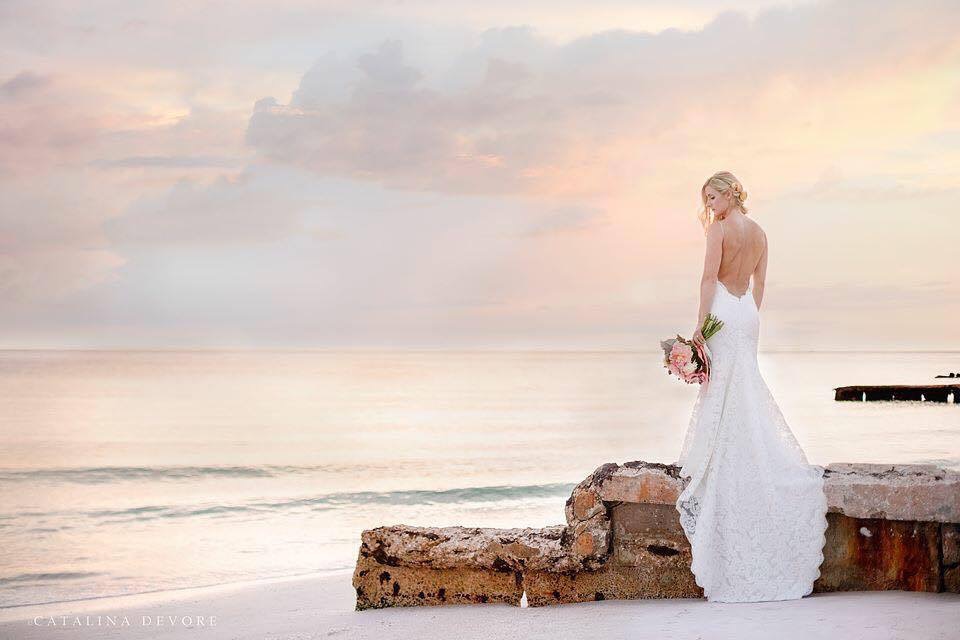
724 182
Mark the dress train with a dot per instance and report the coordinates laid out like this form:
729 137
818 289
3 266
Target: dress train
753 510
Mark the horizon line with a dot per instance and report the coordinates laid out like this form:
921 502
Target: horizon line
431 349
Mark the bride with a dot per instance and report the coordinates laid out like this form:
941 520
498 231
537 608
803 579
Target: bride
753 509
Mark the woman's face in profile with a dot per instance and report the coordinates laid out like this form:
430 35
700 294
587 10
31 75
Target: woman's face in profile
716 201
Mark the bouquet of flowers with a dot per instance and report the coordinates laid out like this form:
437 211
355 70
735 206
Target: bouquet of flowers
687 360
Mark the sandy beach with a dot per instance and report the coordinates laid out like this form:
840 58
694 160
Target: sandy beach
323 607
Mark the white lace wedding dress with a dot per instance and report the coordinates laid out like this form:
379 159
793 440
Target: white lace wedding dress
753 510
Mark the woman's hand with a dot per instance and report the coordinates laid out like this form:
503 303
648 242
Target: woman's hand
698 338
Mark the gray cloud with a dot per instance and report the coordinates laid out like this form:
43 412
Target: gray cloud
51 244
382 205
524 102
22 83
248 209
176 162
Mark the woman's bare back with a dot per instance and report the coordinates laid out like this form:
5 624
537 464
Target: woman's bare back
744 243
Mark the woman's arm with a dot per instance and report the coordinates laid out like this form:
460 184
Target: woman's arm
711 267
760 275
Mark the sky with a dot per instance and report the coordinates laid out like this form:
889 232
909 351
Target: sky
476 175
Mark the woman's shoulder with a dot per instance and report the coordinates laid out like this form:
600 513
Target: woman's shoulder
756 226
714 228
758 232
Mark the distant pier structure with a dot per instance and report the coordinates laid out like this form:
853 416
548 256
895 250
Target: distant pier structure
922 392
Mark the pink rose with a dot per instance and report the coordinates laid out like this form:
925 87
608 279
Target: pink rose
681 353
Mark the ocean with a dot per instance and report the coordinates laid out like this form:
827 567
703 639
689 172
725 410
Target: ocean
141 471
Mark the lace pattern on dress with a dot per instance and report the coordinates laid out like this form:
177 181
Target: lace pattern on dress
752 508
